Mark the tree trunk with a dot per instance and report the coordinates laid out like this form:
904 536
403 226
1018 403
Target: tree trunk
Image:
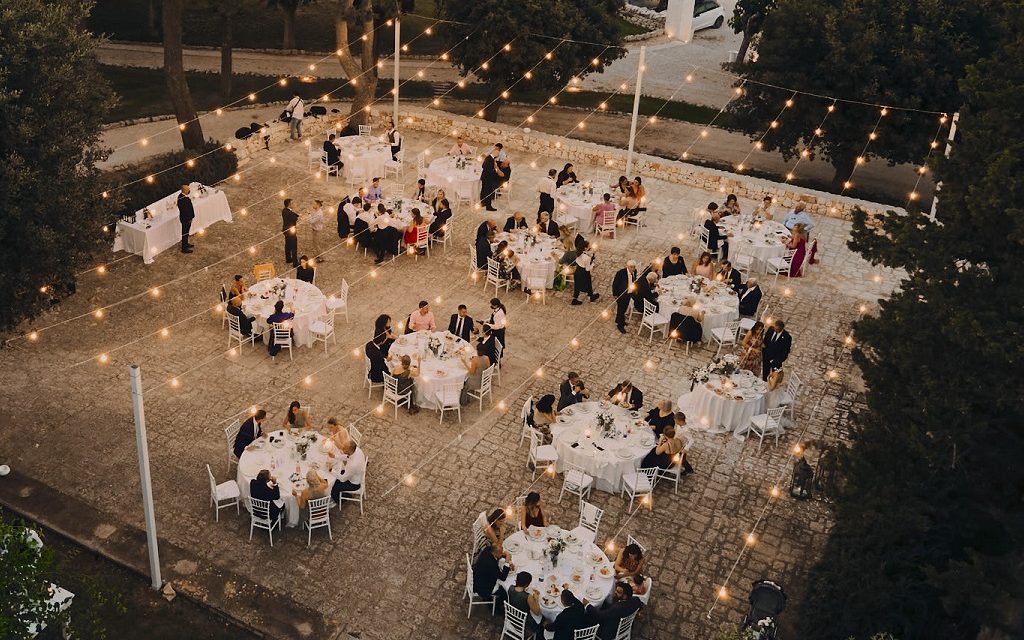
362 73
494 101
152 20
843 165
177 86
749 31
288 41
225 56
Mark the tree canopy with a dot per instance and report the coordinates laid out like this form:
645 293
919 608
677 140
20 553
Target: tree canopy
929 534
909 53
531 28
52 101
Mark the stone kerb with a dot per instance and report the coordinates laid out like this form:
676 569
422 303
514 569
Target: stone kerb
582 152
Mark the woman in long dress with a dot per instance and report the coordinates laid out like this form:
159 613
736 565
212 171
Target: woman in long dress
752 343
798 241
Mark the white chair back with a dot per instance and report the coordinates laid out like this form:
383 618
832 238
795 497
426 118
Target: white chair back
354 434
590 516
364 129
589 633
230 433
776 415
649 310
213 483
260 510
390 387
515 623
704 239
319 512
234 327
793 387
422 236
282 334
631 540
450 394
494 274
486 380
527 409
625 628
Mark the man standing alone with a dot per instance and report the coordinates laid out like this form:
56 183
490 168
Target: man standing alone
186 212
295 111
289 222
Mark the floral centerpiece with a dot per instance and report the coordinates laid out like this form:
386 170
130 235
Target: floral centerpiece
555 548
460 162
719 366
697 284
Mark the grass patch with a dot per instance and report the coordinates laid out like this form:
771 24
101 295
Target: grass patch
627 28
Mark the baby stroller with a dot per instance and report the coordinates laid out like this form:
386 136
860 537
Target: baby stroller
767 600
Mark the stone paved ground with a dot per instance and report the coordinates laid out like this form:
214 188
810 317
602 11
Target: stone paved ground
397 571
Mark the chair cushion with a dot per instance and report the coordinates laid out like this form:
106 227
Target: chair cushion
228 490
638 482
575 478
766 424
546 452
336 303
318 327
656 319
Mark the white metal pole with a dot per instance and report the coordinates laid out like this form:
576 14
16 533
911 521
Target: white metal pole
398 53
949 147
147 484
636 108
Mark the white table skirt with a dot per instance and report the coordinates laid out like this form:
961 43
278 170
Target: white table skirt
584 560
434 372
720 413
720 307
620 455
761 243
287 466
364 158
309 304
465 183
147 238
533 256
572 202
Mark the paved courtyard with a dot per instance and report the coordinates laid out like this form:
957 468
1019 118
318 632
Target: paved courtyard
397 572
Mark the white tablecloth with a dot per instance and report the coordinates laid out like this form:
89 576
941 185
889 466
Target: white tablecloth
718 302
301 298
582 567
621 452
163 231
534 252
575 201
760 240
364 157
435 372
404 213
726 404
287 465
465 183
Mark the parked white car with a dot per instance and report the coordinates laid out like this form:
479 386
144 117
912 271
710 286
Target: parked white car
707 14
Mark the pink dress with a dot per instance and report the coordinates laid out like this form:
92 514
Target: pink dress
798 259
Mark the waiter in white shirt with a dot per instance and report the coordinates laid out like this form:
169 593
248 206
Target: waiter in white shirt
546 189
394 139
351 477
295 110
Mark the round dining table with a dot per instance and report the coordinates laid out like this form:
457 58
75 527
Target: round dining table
303 299
289 455
576 202
581 566
604 455
463 182
715 299
440 362
534 251
364 157
761 240
725 404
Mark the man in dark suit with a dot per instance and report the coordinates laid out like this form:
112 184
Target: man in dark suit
289 222
750 298
730 276
674 265
443 214
571 391
777 343
486 572
264 487
333 154
490 179
623 604
514 222
249 431
547 225
646 290
623 288
461 324
570 619
244 321
378 362
483 243
626 395
717 243
186 213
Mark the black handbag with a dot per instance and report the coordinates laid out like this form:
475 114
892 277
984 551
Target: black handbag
285 116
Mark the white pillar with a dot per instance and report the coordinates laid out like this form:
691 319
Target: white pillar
679 20
147 483
398 53
636 108
949 147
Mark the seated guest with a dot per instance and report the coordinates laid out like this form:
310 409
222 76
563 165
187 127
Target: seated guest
571 618
606 205
508 265
629 202
673 264
660 417
729 275
663 454
386 235
461 323
624 603
646 291
422 319
435 202
544 415
483 242
621 186
238 287
492 525
629 561
439 225
527 601
547 225
264 487
731 206
546 190
750 298
717 243
382 334
412 231
279 316
487 345
374 193
798 216
680 424
533 512
421 191
571 391
405 372
685 324
487 571
460 148
351 477
244 321
703 266
362 227
305 271
333 154
514 222
639 584
566 176
626 395
348 210
316 487
475 367
296 417
766 210
250 430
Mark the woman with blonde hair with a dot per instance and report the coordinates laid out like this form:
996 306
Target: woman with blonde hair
316 488
703 266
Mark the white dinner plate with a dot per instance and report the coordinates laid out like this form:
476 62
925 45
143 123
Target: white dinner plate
512 546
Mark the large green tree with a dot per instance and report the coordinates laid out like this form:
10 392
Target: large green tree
482 27
52 101
357 38
174 74
909 53
929 533
748 18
